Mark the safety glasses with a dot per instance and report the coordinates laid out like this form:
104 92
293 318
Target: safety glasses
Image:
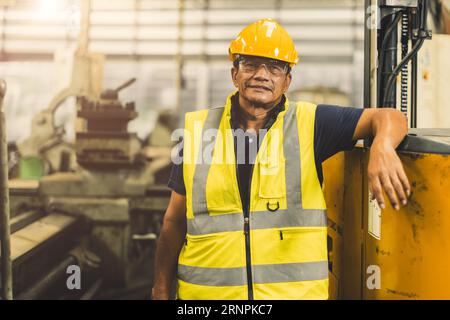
274 67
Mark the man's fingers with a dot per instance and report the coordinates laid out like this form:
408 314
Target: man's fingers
404 181
377 191
398 187
387 186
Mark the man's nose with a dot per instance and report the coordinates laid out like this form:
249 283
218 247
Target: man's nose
262 72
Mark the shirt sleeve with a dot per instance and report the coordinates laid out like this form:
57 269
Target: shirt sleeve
334 129
176 180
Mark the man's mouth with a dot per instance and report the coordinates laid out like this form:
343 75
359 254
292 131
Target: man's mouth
260 87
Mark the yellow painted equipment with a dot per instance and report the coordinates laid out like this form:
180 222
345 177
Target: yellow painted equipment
412 250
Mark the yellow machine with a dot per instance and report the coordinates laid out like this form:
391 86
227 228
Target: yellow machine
409 246
391 254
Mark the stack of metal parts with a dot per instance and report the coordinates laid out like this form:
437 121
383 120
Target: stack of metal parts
106 142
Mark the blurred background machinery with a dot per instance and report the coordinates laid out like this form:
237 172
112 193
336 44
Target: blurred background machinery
103 216
95 203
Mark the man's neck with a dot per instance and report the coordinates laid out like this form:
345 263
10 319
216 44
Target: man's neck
252 117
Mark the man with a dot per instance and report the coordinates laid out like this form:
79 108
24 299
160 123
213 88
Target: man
252 225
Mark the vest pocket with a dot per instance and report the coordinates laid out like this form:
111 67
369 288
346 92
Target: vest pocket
289 245
310 240
200 238
215 250
198 249
221 190
272 182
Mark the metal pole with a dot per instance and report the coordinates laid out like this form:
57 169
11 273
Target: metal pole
179 59
203 69
4 206
413 111
85 26
370 54
370 57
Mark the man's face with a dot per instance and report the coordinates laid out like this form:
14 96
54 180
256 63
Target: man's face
261 81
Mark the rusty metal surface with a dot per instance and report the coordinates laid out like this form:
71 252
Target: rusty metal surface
352 274
414 250
333 173
344 191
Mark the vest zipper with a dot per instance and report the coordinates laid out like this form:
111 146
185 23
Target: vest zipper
248 260
247 221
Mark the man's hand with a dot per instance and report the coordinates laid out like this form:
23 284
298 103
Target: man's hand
385 171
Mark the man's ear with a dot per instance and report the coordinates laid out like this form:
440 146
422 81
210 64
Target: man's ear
234 72
288 82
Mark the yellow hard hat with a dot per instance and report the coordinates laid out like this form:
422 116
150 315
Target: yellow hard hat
264 38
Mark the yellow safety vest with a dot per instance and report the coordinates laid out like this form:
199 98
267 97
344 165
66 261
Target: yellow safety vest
280 251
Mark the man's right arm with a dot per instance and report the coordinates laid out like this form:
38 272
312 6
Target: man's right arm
169 245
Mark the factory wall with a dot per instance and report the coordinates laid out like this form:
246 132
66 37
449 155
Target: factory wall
139 39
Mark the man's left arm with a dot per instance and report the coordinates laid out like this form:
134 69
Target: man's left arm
385 170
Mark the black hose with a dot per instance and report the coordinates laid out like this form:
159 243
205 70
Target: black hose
411 54
388 33
386 37
397 69
423 16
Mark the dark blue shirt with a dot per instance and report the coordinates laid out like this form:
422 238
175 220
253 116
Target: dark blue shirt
333 132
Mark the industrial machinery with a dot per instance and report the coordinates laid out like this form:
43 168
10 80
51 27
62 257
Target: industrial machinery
392 254
97 212
103 217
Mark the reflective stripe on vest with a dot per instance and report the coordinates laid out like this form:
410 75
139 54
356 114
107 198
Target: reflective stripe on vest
271 273
202 168
205 224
